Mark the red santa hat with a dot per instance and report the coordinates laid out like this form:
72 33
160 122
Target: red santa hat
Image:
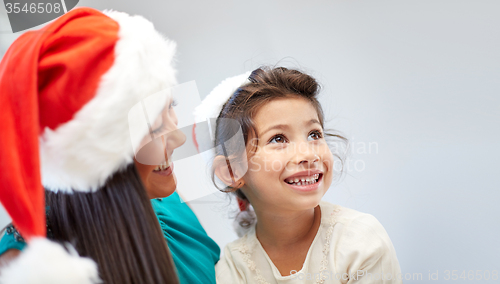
66 91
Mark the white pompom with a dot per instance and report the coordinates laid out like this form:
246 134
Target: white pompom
246 216
46 262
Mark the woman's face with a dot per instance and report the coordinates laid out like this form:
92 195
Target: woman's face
291 168
160 180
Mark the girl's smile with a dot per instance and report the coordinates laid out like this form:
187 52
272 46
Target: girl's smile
305 181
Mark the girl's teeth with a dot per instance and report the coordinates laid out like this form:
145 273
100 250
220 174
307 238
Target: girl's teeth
304 180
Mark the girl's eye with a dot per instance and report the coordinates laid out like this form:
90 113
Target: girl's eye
316 134
277 139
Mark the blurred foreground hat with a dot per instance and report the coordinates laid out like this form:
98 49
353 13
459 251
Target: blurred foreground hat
65 95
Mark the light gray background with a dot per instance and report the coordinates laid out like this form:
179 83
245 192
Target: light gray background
417 79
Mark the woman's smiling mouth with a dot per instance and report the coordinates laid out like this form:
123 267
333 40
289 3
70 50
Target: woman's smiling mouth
164 169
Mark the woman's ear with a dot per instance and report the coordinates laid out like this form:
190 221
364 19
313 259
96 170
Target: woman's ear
227 174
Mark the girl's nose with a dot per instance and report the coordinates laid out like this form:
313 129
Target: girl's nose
310 159
307 154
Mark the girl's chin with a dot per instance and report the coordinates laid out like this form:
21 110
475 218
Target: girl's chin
308 203
310 200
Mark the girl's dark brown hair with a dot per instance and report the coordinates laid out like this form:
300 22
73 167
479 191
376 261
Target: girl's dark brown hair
266 84
116 227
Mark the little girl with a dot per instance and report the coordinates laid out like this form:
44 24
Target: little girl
297 238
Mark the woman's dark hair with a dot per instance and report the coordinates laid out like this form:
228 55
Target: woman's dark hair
116 227
266 84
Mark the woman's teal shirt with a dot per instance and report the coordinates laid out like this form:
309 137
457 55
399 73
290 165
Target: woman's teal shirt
194 252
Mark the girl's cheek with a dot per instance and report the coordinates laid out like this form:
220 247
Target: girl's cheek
328 160
254 164
275 162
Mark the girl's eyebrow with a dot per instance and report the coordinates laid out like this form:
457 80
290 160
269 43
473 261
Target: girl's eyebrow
278 126
313 121
285 126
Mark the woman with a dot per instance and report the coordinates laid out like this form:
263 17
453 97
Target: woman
78 79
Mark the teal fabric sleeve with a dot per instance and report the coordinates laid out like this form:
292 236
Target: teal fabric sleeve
193 251
10 241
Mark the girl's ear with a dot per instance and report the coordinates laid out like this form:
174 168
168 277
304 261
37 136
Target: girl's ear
228 175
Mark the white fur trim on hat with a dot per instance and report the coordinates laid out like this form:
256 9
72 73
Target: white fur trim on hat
83 153
211 106
46 262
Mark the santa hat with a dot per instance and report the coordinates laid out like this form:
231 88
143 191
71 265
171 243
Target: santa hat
66 91
210 109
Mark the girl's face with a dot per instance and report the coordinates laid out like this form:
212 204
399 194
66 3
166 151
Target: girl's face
291 169
160 181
